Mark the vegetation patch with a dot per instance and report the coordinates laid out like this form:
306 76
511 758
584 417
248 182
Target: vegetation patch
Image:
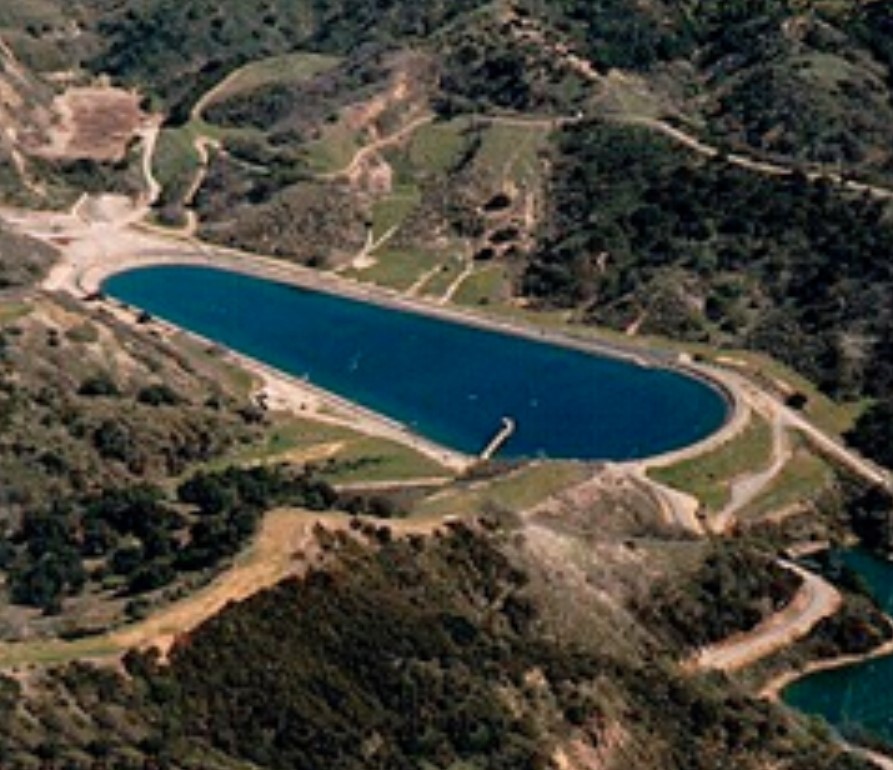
873 432
276 69
485 286
435 148
709 477
389 213
802 483
397 268
702 250
376 460
133 541
481 680
516 490
732 590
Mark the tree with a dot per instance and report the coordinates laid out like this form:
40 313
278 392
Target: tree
873 433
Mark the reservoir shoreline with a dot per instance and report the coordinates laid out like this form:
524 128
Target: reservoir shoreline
848 689
89 280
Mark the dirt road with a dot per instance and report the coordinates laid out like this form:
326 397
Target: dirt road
746 489
815 600
284 546
753 164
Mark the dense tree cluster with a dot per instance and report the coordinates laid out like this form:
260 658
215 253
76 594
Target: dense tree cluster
619 34
873 432
412 676
133 540
179 50
400 653
870 514
642 230
802 88
734 588
493 64
69 427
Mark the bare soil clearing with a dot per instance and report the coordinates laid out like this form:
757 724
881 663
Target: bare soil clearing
94 123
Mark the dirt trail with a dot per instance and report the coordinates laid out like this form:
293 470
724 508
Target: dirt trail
212 94
584 68
269 559
201 144
883 762
784 420
274 556
366 152
364 258
678 508
285 546
747 488
815 600
419 284
753 164
149 136
467 271
837 451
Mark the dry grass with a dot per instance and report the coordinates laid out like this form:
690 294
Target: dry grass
517 491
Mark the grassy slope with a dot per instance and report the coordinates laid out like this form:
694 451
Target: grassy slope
709 477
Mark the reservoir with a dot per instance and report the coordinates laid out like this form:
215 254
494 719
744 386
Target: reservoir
855 700
450 382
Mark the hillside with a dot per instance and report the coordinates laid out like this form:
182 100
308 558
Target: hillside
468 656
701 250
702 184
806 86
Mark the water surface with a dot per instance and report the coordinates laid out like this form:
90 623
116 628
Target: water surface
856 700
450 382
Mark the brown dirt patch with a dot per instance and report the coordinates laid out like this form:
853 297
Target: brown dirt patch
91 123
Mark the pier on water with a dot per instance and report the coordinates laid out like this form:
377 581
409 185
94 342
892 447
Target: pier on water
498 441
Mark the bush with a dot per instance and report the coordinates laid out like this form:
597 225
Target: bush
99 385
873 433
159 395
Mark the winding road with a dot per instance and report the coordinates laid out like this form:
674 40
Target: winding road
815 600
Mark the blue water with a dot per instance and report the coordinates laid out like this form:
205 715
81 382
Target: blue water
450 382
856 700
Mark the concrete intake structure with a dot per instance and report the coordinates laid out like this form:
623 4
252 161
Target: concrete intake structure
503 435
